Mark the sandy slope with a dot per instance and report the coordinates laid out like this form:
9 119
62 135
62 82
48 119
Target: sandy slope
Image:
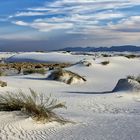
98 116
52 57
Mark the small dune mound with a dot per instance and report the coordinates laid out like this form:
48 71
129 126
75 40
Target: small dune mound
66 76
127 85
85 62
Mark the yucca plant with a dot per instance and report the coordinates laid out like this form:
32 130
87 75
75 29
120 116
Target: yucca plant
39 107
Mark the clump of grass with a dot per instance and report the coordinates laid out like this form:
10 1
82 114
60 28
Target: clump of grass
26 66
134 78
106 55
105 62
1 73
39 107
85 63
3 84
31 71
130 56
130 77
65 76
39 66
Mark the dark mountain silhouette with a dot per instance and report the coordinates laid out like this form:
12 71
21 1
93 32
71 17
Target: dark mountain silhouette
129 48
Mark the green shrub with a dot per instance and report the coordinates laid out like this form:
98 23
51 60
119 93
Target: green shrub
39 107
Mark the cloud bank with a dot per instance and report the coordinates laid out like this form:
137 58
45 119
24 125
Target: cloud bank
83 22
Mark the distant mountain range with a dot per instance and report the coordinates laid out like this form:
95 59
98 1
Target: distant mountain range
129 48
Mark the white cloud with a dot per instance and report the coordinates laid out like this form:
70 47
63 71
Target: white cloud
108 15
130 24
21 23
86 17
44 26
29 13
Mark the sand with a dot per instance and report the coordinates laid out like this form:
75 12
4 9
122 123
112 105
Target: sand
99 113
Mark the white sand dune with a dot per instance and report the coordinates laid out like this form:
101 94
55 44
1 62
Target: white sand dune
99 115
6 55
99 128
52 57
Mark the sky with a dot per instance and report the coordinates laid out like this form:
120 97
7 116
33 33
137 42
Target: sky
54 24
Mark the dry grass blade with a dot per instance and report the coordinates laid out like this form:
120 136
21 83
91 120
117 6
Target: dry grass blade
35 105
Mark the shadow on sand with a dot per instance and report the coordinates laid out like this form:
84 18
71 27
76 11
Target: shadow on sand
84 92
34 78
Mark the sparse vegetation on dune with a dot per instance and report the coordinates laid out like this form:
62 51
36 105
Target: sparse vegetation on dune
38 66
129 56
105 62
85 63
106 55
66 76
1 73
37 106
21 66
3 84
31 71
136 78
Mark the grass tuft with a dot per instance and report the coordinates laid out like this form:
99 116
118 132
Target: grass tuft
106 55
2 73
134 78
130 56
31 71
3 84
105 62
37 106
68 76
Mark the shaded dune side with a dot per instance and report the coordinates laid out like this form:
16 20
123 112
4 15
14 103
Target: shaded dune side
126 85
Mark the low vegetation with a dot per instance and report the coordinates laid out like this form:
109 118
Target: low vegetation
105 62
66 76
134 78
85 63
1 73
31 71
106 55
129 56
3 84
37 106
19 67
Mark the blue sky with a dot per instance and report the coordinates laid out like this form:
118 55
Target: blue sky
53 24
